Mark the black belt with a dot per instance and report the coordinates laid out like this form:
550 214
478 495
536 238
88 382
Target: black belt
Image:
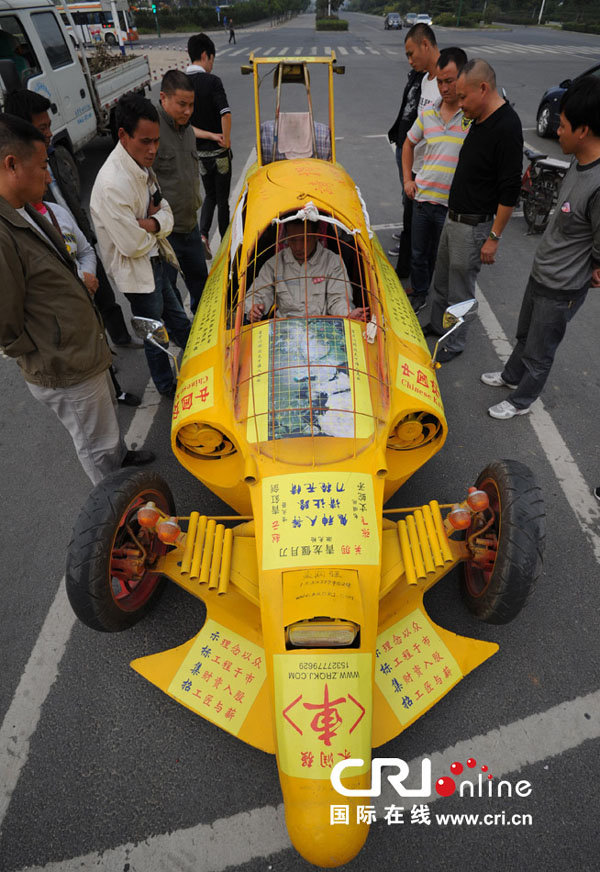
468 219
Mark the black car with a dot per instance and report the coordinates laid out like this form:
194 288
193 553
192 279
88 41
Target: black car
393 21
548 117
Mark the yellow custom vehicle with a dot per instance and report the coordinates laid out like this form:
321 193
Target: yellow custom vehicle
306 397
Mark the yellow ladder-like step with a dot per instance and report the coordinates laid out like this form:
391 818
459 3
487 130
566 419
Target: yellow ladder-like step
423 542
207 552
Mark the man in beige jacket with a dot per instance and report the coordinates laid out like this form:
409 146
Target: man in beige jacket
132 221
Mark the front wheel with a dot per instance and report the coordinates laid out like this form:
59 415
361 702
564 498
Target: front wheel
110 580
543 122
507 553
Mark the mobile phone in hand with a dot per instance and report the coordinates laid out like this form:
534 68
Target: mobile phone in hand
156 197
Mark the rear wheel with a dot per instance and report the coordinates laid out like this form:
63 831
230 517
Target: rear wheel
110 580
543 122
538 202
506 552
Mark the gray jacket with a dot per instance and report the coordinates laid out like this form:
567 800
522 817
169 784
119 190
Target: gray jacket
176 168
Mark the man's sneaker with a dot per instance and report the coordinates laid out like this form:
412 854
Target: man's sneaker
596 493
418 302
394 250
495 380
505 410
207 251
397 235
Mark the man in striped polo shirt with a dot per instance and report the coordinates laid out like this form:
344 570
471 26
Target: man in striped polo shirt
442 127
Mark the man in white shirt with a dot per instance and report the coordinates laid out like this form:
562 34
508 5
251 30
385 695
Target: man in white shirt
132 223
302 280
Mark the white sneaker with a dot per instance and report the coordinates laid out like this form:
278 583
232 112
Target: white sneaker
505 410
495 380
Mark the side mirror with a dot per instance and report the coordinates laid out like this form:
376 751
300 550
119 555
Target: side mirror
565 83
154 331
453 317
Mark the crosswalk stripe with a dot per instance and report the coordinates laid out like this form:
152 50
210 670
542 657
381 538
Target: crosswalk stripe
342 50
327 50
298 51
357 50
284 50
372 50
313 50
268 51
238 51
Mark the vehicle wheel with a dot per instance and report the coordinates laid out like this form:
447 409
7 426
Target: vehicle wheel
497 588
110 39
543 122
538 202
64 157
109 584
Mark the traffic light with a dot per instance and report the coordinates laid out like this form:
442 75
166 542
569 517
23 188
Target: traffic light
154 8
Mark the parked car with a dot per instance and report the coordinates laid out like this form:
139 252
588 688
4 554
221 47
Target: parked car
410 18
393 21
424 18
548 115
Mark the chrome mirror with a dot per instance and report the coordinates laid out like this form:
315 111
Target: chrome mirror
453 317
154 331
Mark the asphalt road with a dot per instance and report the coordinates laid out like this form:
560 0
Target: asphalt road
115 775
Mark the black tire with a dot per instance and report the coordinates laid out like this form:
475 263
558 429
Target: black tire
498 593
100 598
543 122
538 202
110 39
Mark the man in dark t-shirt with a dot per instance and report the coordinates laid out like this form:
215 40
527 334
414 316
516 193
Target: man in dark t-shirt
484 192
212 113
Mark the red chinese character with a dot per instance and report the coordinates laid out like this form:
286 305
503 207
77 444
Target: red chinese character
307 758
186 401
422 378
406 369
239 696
326 760
328 719
203 395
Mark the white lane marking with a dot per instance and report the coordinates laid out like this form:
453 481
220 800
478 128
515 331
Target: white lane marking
41 671
372 50
283 50
342 50
356 49
231 842
522 743
327 50
268 51
298 51
239 51
378 227
575 488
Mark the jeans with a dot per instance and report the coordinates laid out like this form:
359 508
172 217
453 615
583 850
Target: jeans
427 223
404 255
456 270
216 177
190 254
161 304
542 324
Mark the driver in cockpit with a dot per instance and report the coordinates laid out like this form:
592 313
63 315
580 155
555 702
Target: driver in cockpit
303 280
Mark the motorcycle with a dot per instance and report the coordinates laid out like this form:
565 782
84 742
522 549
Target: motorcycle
539 188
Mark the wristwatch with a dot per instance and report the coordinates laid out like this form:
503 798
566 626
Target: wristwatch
494 236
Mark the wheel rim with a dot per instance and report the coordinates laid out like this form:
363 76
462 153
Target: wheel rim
130 588
544 121
478 579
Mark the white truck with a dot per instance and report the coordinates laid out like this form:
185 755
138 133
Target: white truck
37 53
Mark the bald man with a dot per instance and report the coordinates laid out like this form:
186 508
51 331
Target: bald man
484 192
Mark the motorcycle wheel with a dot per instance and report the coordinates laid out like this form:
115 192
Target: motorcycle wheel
543 122
538 203
104 592
497 593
